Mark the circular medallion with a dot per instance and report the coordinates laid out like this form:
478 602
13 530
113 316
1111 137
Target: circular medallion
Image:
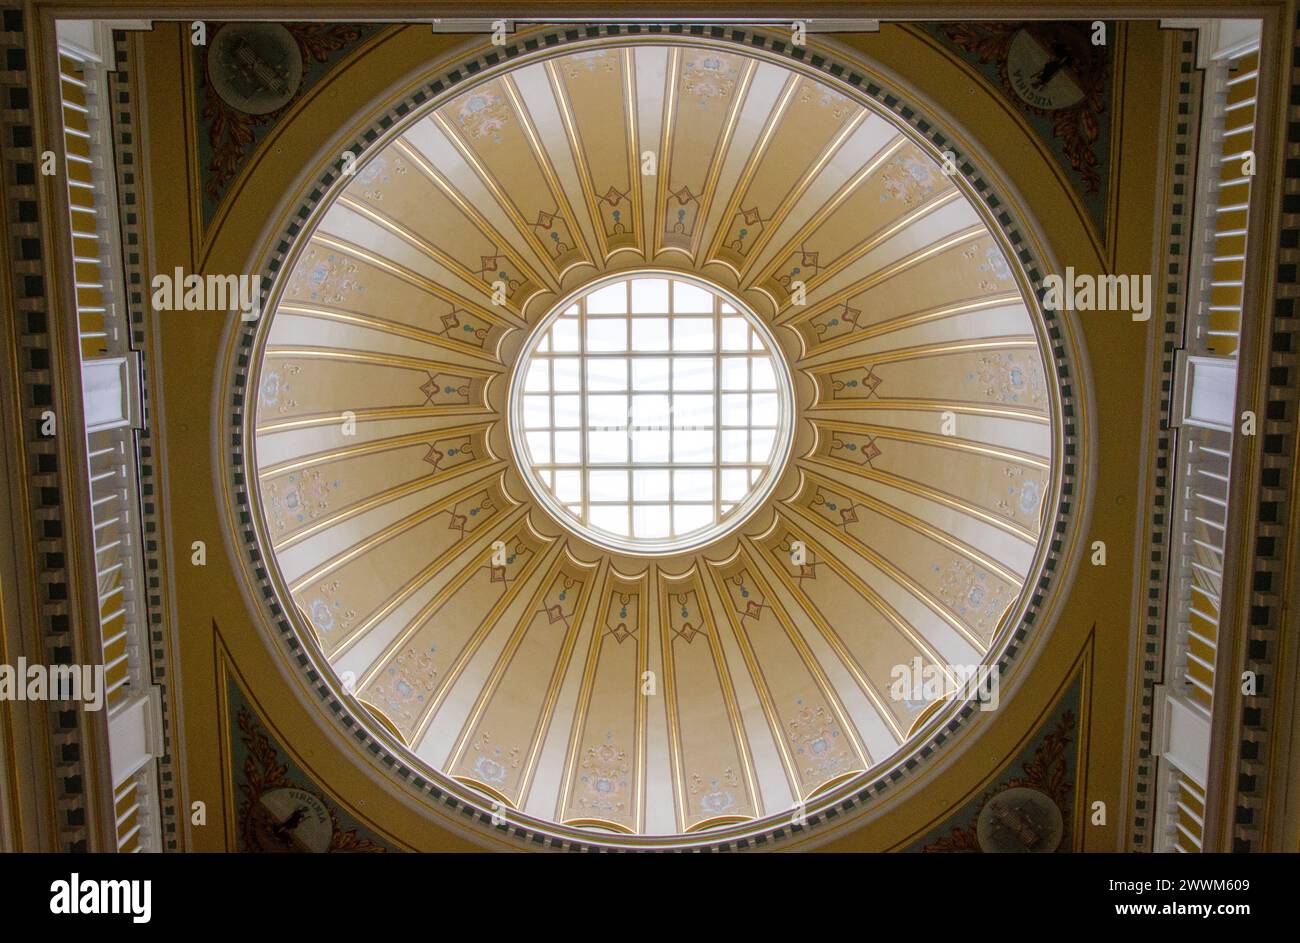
289 820
255 67
1020 819
1043 67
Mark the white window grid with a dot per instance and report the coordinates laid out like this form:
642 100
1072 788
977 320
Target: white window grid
678 397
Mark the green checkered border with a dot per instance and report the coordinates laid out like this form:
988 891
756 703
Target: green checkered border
1181 153
122 118
867 88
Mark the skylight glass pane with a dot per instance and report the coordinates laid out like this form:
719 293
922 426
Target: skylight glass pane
607 374
606 447
693 410
735 409
566 412
649 296
650 484
735 373
607 412
649 334
693 484
612 299
650 409
691 517
652 520
538 378
649 446
765 410
691 334
650 374
735 445
537 412
564 335
689 446
693 373
568 448
735 334
735 484
763 377
607 334
568 484
691 299
539 447
566 374
612 519
608 485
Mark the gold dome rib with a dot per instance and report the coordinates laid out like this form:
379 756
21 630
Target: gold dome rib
370 357
373 414
670 181
388 443
810 463
560 84
873 240
687 721
937 349
772 224
938 440
876 240
735 204
477 218
854 666
611 641
808 312
476 498
565 258
824 212
828 409
428 249
548 170
367 542
798 520
904 321
786 722
910 521
393 328
436 614
539 630
425 284
489 470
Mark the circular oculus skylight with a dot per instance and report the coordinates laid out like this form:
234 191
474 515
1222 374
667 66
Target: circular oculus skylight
651 412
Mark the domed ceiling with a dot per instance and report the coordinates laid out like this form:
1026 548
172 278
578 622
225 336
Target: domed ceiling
651 695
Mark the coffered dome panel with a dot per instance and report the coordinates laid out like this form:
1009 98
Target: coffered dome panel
601 693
